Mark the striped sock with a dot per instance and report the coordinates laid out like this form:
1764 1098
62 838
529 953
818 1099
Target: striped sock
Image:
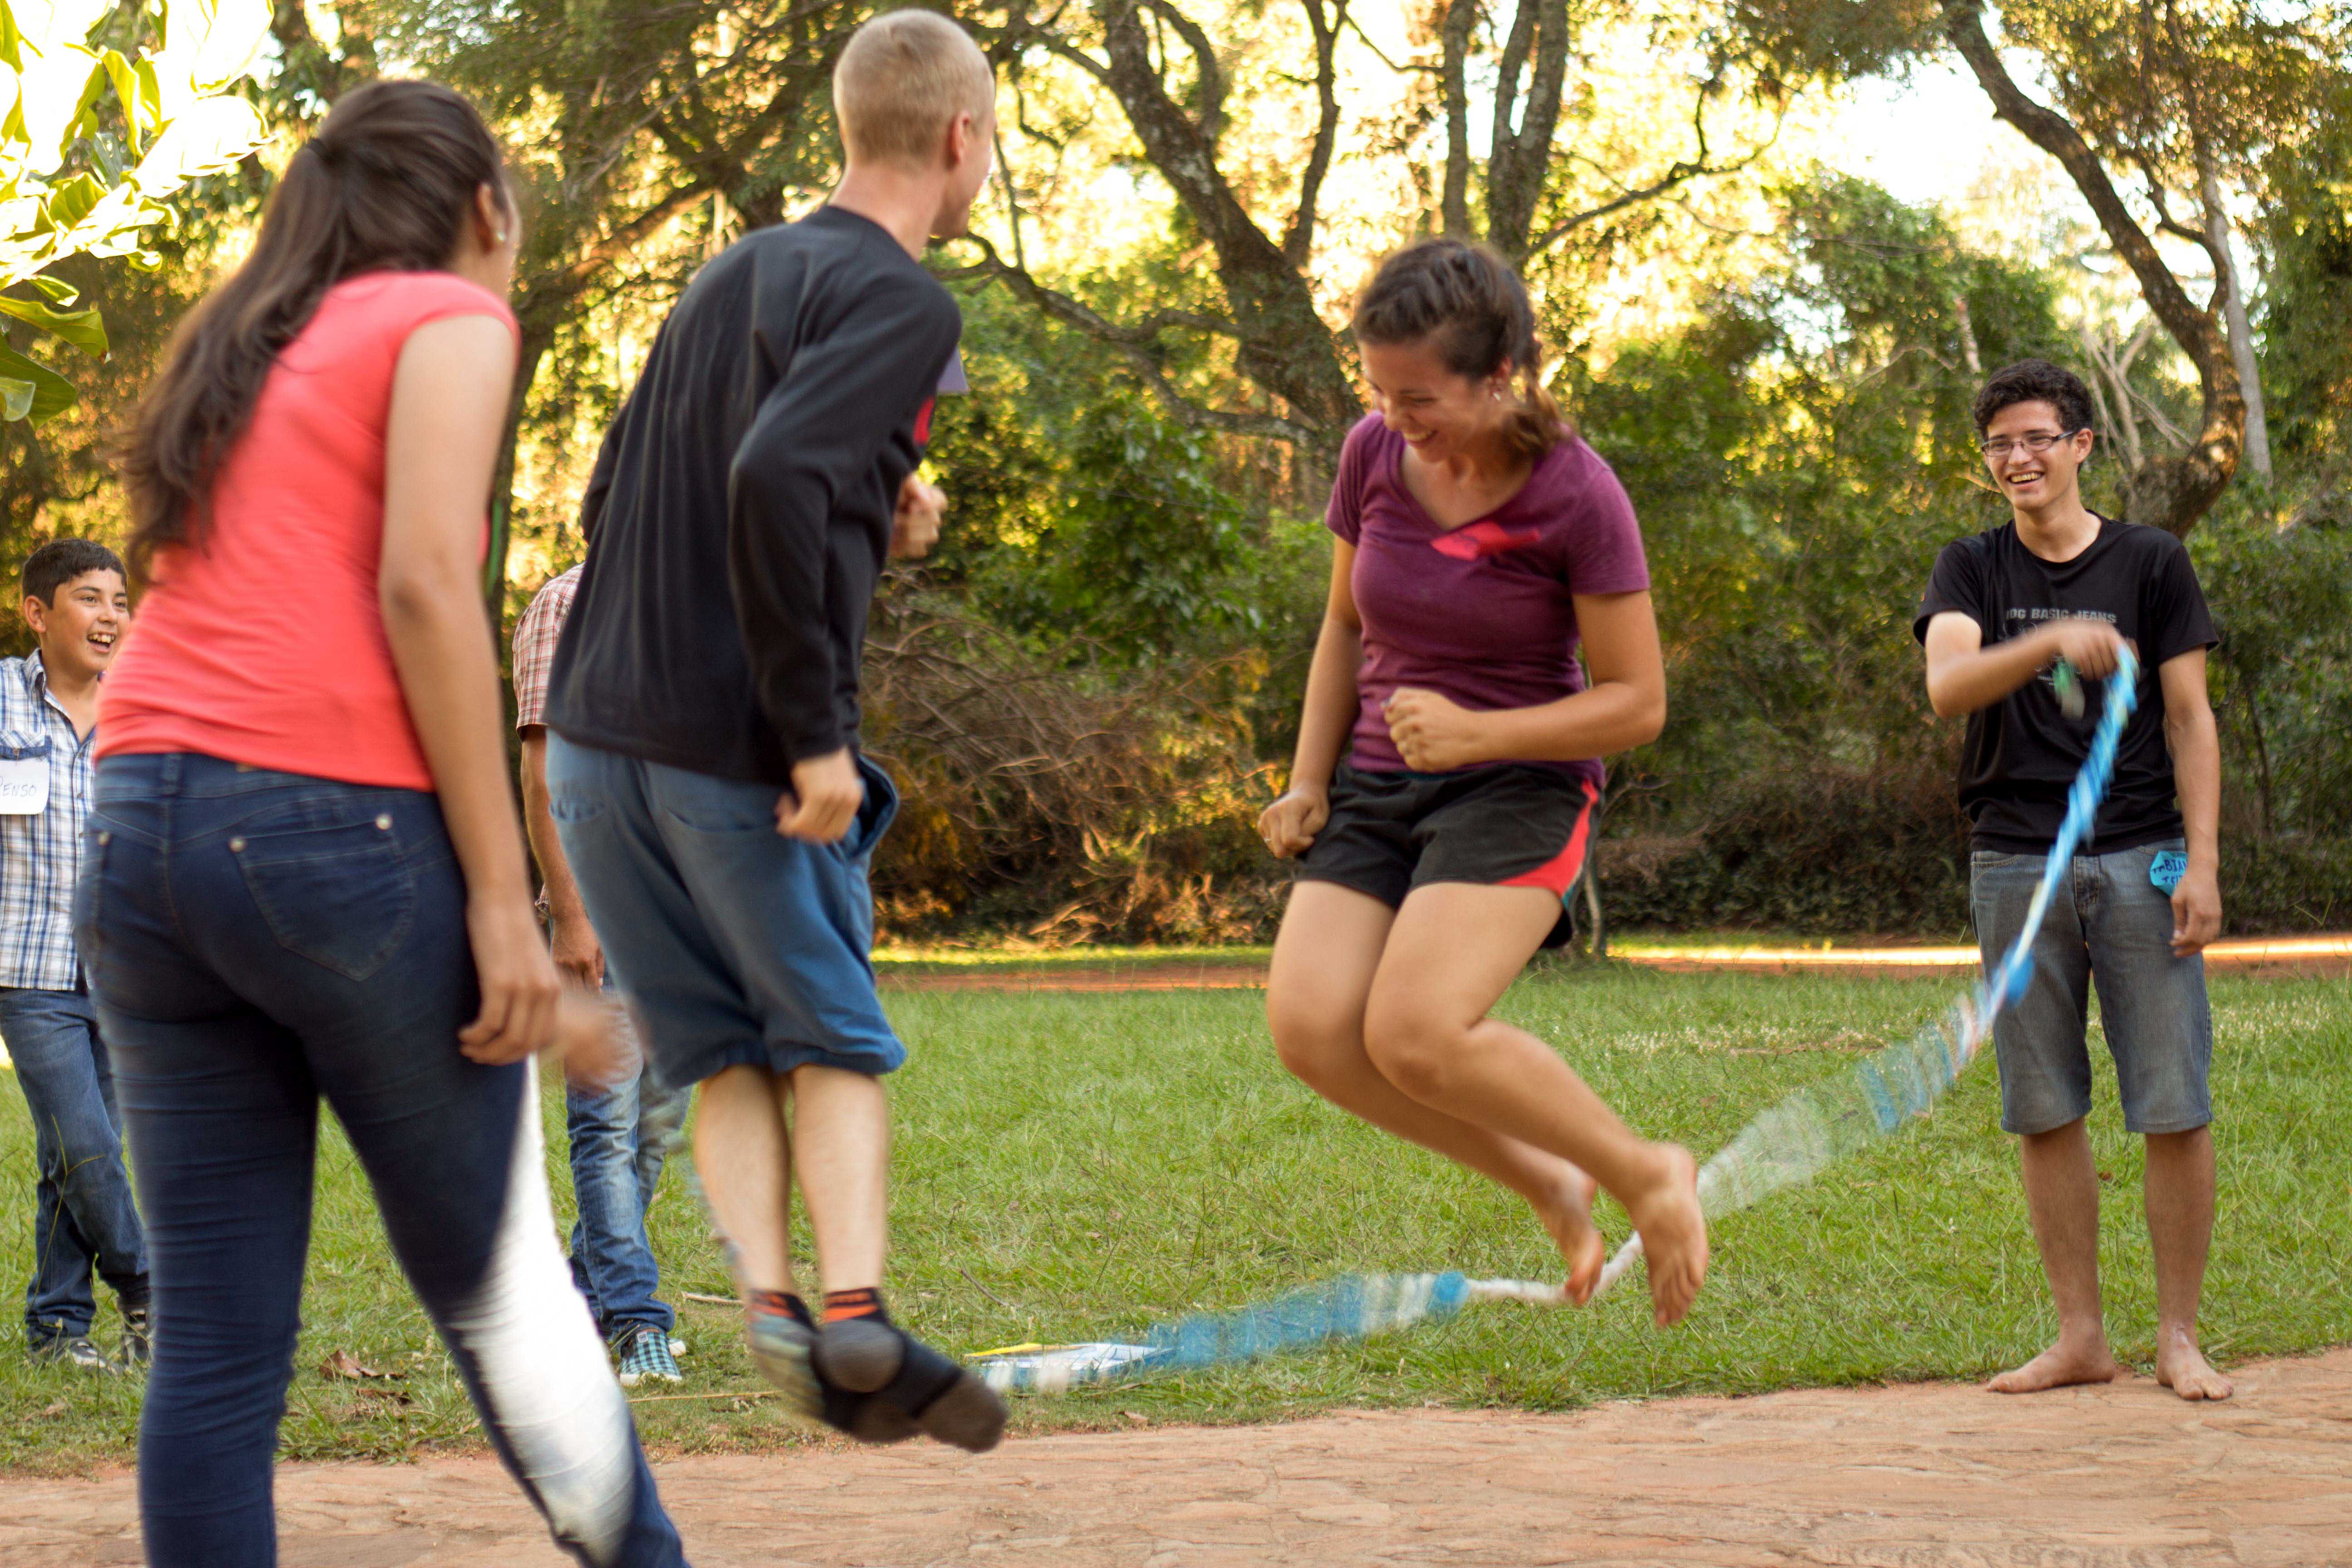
863 1302
782 1302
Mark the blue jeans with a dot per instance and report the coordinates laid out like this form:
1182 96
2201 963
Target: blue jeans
258 940
83 1217
738 945
619 1138
2109 923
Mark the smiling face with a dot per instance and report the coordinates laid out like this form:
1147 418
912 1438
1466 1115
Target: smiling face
1440 412
82 624
2034 481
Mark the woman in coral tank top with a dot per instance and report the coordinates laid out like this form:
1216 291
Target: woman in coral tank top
306 878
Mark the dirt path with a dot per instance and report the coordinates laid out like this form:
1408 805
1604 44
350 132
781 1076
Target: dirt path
1915 1477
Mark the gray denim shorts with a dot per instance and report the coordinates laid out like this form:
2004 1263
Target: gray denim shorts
2108 924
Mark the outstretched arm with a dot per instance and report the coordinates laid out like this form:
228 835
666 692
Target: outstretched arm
1624 707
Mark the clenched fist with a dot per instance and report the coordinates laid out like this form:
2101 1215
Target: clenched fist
1433 734
1291 823
915 525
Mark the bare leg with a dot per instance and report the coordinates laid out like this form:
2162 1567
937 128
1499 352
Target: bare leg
2062 1192
841 1151
1324 960
1450 955
742 1153
2178 1190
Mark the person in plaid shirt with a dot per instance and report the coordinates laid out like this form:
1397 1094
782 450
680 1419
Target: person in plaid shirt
83 1217
619 1133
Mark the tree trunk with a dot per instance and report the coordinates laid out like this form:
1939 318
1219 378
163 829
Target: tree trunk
2232 293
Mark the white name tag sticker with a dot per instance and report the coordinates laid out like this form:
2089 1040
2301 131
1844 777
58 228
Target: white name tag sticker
24 786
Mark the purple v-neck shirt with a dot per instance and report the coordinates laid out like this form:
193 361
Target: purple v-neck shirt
1481 613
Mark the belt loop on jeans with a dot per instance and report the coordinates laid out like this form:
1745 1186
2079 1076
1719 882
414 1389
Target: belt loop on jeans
167 781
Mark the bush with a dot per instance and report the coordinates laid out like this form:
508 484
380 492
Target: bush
1058 803
1824 851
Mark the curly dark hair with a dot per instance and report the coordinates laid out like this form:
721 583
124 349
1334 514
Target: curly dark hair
2036 380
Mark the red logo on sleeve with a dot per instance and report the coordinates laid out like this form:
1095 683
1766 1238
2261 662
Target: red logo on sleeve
923 422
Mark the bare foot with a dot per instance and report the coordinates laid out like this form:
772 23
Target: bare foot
2063 1365
1573 1232
1674 1232
2181 1367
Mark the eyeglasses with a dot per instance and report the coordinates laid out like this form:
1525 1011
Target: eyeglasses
2033 442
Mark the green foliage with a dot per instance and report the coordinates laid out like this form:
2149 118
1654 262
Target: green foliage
95 139
1796 457
2281 677
1087 518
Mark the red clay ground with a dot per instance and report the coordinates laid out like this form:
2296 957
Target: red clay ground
1917 1477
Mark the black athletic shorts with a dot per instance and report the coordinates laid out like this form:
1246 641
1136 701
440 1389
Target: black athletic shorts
1513 824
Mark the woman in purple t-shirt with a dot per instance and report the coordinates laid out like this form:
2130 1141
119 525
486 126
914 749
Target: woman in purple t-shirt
1477 541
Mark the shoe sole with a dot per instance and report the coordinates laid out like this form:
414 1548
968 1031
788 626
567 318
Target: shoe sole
969 1415
859 1354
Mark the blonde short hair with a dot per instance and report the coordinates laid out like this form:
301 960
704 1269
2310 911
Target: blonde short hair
901 81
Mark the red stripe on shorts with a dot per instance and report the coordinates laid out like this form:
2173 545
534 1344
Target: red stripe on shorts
1559 873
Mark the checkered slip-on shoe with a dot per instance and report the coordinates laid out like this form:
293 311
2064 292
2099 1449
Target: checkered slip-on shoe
643 1352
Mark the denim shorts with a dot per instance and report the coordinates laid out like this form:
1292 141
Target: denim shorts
2110 925
736 945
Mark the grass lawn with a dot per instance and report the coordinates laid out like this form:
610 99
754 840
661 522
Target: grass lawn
1071 1167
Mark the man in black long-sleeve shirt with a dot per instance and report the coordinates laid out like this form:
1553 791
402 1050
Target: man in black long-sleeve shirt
703 770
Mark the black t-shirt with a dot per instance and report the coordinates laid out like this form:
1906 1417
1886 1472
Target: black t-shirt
2021 754
740 510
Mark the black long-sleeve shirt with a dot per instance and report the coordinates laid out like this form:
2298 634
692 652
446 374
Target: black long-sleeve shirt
740 511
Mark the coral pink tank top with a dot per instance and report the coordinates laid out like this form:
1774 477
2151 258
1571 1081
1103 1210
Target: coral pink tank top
263 644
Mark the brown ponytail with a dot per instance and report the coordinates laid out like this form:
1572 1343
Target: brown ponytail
1465 297
386 184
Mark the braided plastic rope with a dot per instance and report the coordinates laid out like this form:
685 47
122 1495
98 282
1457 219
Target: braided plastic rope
1823 1122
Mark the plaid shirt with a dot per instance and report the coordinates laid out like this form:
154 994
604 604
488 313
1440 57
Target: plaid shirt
40 856
535 637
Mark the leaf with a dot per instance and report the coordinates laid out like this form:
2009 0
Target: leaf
80 328
51 394
15 398
11 41
72 201
59 291
343 1365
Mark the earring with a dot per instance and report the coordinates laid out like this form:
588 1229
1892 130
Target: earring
501 237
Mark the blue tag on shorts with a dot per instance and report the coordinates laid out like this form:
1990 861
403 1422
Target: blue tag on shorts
2169 866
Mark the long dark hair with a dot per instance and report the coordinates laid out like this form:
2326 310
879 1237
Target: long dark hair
387 184
1465 297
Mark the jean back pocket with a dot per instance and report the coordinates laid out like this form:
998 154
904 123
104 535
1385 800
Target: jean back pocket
339 894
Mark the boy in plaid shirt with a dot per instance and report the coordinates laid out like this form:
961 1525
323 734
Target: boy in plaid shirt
83 1217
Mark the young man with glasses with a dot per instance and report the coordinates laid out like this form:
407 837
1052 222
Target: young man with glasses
2002 609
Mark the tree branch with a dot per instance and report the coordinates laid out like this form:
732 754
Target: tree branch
1211 118
1299 239
1138 344
1461 19
1678 173
1514 175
